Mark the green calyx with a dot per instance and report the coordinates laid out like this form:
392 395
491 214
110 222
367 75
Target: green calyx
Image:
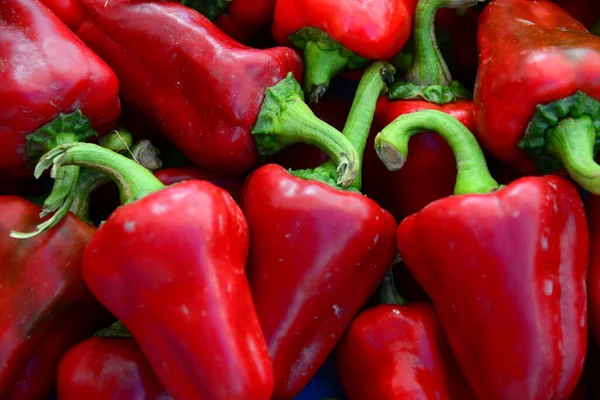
473 175
357 127
388 292
324 58
545 121
65 128
285 119
116 330
211 9
428 76
438 94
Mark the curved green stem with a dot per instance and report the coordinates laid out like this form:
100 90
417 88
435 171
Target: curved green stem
321 66
473 175
285 119
88 182
388 292
572 140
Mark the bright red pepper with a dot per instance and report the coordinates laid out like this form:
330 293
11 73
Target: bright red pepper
317 252
336 35
399 351
45 70
200 87
45 306
430 172
70 12
189 243
505 268
233 185
107 368
537 89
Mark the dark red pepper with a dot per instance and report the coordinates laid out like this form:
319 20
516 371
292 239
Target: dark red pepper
504 267
430 172
312 245
593 214
242 18
200 87
70 12
585 11
399 351
45 306
537 89
341 34
108 368
188 243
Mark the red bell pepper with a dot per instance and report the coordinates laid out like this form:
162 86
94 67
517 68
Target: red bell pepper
317 252
102 368
70 12
54 90
45 306
338 35
537 89
201 335
593 214
200 87
399 351
505 268
168 176
430 173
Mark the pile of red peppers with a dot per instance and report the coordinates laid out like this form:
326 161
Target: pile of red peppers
213 199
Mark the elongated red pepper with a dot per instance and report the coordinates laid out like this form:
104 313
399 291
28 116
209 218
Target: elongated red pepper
200 87
45 306
510 261
54 90
70 12
339 35
593 214
201 335
107 368
168 176
537 89
313 244
399 351
430 173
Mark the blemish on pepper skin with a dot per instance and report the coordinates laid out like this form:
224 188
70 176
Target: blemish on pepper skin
129 226
548 287
544 243
337 310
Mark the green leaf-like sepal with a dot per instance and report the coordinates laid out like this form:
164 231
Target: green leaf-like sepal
116 330
65 128
438 94
211 9
546 117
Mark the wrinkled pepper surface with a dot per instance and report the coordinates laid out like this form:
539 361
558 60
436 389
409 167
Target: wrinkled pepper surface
45 306
338 35
188 242
41 81
313 244
102 368
399 351
517 253
537 90
200 87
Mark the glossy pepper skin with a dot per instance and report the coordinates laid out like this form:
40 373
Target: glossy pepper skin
168 176
531 53
39 80
406 191
201 335
312 245
372 29
399 352
107 368
200 87
70 12
593 213
525 263
45 306
242 18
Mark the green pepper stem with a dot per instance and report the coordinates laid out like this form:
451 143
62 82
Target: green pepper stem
572 141
428 66
321 66
285 119
473 175
388 292
116 330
